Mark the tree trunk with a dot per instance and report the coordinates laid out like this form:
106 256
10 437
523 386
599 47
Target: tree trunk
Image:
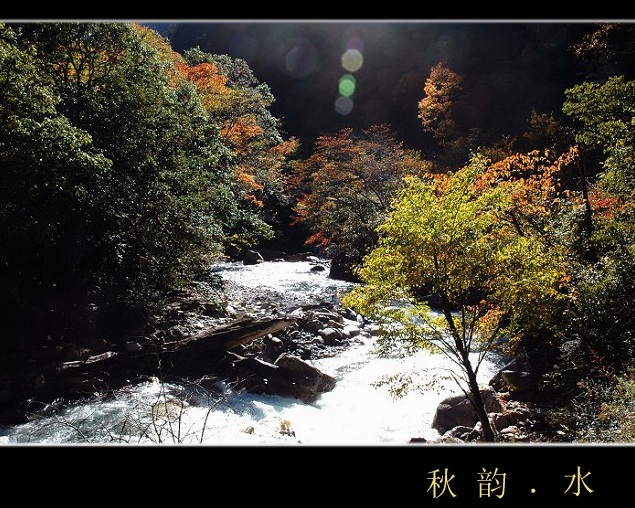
463 354
591 253
477 401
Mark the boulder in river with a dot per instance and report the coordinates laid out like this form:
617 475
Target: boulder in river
251 257
289 376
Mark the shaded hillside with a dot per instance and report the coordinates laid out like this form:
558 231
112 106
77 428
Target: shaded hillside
508 69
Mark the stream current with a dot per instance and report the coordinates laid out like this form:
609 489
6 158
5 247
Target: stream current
360 410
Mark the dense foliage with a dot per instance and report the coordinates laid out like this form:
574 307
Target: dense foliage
466 241
126 167
346 186
120 181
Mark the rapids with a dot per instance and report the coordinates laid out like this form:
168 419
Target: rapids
360 410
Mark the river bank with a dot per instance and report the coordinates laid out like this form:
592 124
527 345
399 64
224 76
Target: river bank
245 405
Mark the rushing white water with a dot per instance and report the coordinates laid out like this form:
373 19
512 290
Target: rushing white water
360 410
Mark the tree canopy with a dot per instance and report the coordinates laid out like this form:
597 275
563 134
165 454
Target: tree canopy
345 188
456 241
120 178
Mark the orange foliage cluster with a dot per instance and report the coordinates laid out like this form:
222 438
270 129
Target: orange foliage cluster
318 239
532 181
436 108
212 85
352 173
605 206
534 177
248 185
239 132
287 148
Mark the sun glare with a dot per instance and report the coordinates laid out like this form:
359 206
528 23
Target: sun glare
352 61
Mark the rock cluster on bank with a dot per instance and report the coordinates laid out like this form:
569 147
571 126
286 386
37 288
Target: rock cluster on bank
264 343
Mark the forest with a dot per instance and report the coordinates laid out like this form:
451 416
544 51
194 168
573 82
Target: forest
127 167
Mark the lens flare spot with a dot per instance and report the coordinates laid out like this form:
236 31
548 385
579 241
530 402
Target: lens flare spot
352 60
355 43
347 85
343 105
301 60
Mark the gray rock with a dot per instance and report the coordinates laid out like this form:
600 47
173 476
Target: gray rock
251 257
457 410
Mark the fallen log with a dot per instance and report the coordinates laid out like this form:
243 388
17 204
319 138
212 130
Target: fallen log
204 352
192 357
230 336
189 356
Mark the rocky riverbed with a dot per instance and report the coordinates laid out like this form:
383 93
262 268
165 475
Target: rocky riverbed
264 341
321 327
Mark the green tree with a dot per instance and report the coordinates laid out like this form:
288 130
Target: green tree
603 118
604 113
116 166
158 207
458 238
50 171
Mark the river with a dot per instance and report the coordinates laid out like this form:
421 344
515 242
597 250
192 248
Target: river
360 410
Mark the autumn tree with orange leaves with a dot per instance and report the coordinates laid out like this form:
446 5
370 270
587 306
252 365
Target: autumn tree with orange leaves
241 105
436 109
345 188
439 110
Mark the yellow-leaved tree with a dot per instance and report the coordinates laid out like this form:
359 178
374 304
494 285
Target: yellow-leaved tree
469 242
